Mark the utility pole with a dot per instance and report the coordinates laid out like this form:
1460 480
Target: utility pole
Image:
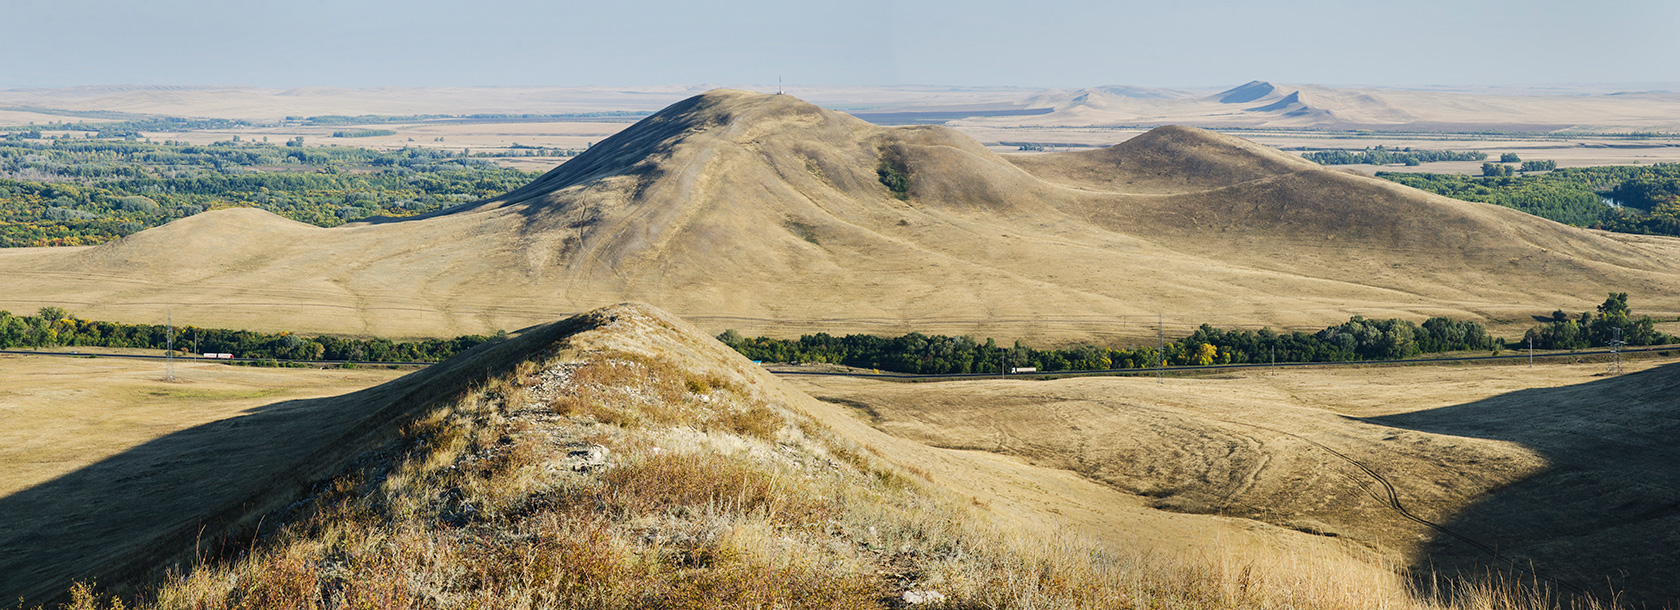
1531 352
169 354
1274 360
1161 348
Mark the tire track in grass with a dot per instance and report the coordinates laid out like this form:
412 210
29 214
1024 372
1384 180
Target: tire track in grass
1392 501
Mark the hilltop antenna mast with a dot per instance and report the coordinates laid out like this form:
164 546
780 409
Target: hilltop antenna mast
169 354
1616 352
778 84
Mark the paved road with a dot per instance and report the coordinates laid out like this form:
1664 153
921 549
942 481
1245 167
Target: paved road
916 377
200 359
1218 367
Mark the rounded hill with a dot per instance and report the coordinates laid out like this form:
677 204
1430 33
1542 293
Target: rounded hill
769 215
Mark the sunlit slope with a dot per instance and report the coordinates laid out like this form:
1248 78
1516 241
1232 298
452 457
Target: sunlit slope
624 455
1555 470
766 214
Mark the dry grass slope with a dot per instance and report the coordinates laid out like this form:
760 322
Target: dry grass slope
99 459
1556 468
765 214
623 459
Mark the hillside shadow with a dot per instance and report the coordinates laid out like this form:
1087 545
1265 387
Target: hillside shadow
205 489
148 503
1604 516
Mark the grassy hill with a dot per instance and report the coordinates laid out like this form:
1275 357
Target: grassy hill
1507 470
768 215
621 458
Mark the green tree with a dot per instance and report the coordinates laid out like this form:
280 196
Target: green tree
50 315
1615 306
1494 170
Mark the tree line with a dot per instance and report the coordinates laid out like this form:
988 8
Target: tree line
129 128
374 119
1612 321
363 133
90 192
1357 339
1385 156
55 327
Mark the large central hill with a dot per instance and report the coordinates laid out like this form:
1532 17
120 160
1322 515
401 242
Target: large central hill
767 214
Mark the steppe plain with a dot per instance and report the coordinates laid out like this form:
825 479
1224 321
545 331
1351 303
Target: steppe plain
1556 467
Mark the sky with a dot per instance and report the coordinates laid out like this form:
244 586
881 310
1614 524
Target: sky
1069 43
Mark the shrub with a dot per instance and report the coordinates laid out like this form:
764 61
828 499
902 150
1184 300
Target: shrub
894 173
137 204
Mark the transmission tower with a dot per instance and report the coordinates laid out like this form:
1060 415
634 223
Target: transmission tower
1160 348
1616 344
169 354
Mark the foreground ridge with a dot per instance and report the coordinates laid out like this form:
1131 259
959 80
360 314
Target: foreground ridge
621 458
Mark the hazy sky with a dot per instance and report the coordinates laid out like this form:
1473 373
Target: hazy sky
48 43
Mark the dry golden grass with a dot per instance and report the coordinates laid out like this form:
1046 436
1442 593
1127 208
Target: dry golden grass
500 499
100 458
765 214
62 414
1553 466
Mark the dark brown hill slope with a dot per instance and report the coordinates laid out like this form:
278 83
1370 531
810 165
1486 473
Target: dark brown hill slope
765 214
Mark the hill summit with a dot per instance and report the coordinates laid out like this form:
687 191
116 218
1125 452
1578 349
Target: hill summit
770 215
